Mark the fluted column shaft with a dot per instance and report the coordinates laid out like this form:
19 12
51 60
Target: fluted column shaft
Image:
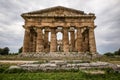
87 41
31 42
40 46
46 40
34 42
65 40
26 40
79 40
53 44
72 36
92 44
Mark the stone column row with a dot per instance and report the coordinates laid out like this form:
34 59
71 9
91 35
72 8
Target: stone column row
36 43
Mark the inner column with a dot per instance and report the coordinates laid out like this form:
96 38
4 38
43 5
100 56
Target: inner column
34 42
72 36
65 40
46 40
79 40
40 47
53 44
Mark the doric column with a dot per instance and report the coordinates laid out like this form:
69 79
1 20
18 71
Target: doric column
34 42
46 40
40 47
92 44
53 44
86 40
72 36
26 40
31 42
65 40
79 40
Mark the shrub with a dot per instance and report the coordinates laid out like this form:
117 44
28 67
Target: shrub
109 54
15 71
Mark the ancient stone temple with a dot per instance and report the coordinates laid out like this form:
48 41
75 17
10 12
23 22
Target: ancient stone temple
41 28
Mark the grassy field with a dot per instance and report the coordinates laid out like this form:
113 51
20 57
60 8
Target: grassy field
78 75
59 76
19 74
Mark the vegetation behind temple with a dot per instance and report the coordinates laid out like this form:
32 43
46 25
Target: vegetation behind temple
113 53
4 51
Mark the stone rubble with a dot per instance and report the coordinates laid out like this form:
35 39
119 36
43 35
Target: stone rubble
64 65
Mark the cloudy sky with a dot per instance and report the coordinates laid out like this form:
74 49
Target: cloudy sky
107 12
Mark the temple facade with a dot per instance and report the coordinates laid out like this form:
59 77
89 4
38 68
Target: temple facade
41 28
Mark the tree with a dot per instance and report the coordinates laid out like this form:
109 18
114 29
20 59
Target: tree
109 54
20 50
4 51
117 52
1 51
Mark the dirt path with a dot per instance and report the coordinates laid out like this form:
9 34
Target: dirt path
16 61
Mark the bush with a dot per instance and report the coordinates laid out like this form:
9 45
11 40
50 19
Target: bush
2 69
109 54
4 51
109 70
15 71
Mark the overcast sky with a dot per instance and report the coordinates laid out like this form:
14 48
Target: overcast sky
107 33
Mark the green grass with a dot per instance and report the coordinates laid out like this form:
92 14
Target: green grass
59 76
15 74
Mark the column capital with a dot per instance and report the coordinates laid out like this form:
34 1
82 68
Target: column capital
39 30
65 27
27 30
79 27
53 30
47 29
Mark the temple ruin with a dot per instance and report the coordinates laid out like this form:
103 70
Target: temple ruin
75 26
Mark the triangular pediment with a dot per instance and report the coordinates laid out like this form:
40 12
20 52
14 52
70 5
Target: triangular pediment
55 11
